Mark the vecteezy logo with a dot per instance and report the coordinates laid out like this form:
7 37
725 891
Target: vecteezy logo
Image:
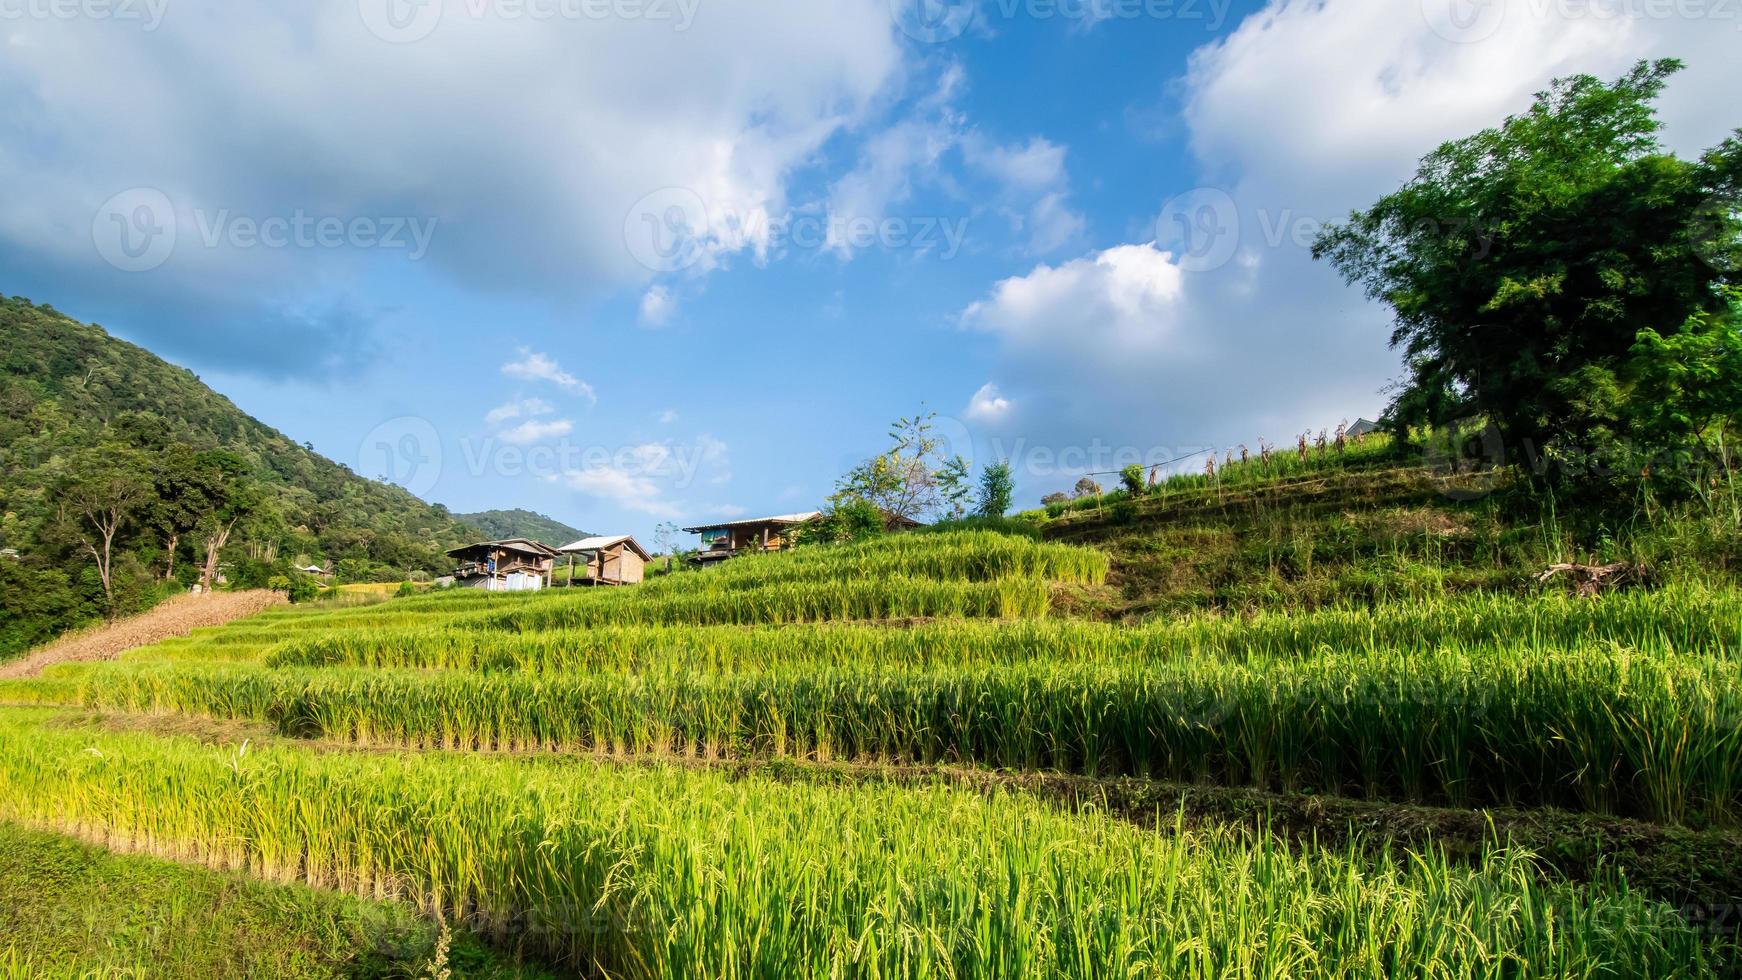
134 231
1464 21
1469 457
406 451
400 21
1714 234
667 229
1201 227
932 21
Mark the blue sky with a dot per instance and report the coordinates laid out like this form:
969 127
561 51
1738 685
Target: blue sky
626 261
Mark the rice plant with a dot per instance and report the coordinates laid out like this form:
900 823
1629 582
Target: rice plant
1599 729
660 872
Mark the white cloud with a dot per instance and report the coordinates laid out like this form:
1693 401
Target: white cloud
1034 188
1052 225
1030 178
1128 346
519 408
667 417
533 430
527 203
1104 307
890 164
1039 165
988 405
643 477
657 306
631 491
535 366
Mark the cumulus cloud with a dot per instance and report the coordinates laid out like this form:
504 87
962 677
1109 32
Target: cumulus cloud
987 405
1104 307
1224 329
203 108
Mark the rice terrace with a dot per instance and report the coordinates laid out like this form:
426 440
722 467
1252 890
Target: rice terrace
1208 638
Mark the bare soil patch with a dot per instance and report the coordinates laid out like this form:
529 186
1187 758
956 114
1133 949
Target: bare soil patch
176 616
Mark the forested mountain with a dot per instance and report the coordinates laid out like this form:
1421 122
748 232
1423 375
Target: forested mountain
499 524
77 404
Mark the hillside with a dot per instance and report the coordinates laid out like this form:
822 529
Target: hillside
1366 526
66 387
517 523
941 730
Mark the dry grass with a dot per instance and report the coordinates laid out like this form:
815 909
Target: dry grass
176 616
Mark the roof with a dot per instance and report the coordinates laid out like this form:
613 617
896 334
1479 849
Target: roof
526 545
602 541
809 515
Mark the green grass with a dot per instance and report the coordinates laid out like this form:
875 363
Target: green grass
73 910
665 872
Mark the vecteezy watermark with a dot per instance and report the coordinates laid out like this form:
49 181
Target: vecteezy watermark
1474 21
138 229
300 229
406 451
148 14
1200 227
932 21
1204 228
937 21
1714 235
406 21
677 465
135 230
673 228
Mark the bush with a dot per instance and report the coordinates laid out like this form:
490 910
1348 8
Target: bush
1131 477
300 588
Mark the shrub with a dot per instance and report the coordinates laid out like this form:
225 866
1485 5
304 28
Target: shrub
1131 477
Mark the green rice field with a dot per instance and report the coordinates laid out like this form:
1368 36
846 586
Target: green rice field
584 779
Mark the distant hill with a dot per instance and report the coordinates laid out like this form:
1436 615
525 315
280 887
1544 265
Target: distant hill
67 386
498 524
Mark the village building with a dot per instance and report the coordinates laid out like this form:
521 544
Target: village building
512 565
606 560
728 538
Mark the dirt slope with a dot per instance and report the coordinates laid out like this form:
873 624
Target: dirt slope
175 616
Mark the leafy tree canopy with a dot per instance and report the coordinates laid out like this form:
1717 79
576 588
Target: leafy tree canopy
1524 265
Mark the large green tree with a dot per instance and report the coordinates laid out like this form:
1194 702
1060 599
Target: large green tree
1523 263
101 499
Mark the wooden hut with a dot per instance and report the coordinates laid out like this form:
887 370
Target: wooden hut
722 541
616 559
512 565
